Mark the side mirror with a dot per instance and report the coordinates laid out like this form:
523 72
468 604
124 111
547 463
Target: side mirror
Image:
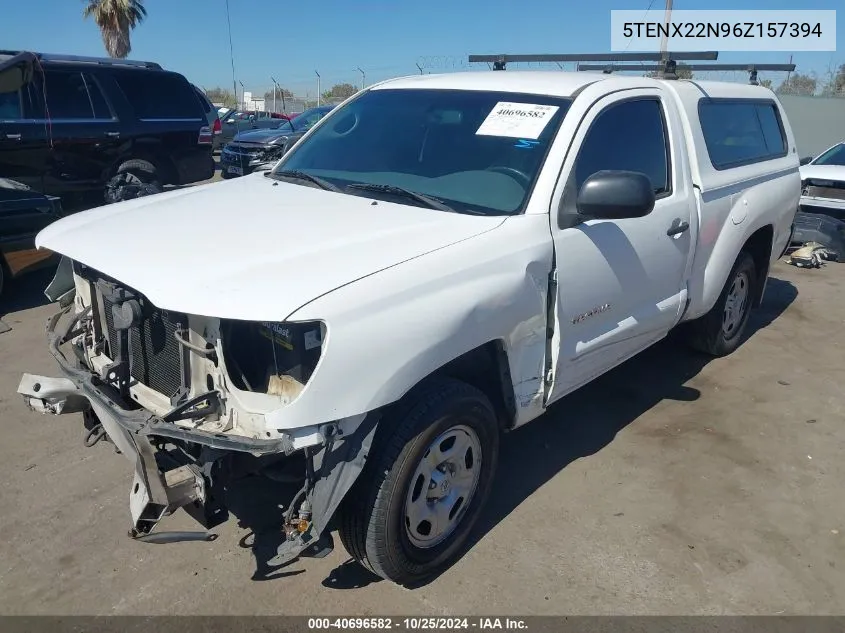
806 160
616 195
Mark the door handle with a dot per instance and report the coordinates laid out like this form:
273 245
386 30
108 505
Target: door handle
113 134
13 137
677 229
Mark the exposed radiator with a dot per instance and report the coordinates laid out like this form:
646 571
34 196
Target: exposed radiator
156 358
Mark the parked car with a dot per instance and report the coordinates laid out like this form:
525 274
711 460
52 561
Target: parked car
213 119
437 262
250 150
823 183
236 121
23 213
80 125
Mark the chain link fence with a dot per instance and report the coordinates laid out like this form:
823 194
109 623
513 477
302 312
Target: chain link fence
296 104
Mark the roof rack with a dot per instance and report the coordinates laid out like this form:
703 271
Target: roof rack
500 61
669 69
106 61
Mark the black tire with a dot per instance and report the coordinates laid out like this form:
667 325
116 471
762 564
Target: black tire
133 179
708 334
372 524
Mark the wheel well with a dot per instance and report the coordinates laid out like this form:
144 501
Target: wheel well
486 368
759 246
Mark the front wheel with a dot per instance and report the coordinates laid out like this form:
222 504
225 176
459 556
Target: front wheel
427 480
720 331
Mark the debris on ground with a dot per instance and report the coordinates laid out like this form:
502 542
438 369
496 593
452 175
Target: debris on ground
812 255
823 229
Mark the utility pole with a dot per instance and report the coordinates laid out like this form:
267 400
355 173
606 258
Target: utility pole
243 95
231 52
318 88
275 84
420 69
363 77
664 43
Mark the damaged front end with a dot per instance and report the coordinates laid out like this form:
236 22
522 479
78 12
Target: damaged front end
186 400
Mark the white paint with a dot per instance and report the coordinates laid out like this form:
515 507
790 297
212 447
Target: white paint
251 247
404 290
517 120
824 172
832 173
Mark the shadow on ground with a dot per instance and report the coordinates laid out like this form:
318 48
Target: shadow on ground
578 426
25 292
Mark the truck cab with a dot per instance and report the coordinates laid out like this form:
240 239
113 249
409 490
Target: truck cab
429 267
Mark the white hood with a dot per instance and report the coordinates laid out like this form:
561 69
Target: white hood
823 172
251 248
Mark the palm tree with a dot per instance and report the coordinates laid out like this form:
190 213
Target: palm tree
116 18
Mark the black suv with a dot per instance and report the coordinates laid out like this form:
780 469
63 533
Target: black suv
71 126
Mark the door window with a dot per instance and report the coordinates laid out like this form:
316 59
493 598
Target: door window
72 95
741 132
629 136
160 95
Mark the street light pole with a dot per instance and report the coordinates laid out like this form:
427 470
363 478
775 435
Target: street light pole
243 95
274 92
318 88
363 78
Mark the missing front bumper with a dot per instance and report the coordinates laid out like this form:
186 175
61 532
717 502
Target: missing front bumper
334 463
155 493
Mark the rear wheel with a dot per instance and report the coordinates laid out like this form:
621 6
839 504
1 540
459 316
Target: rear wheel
429 477
720 331
134 179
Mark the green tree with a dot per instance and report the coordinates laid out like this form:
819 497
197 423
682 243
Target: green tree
798 84
339 92
836 85
221 95
280 92
116 19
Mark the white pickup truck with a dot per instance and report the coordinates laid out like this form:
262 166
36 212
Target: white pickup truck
432 265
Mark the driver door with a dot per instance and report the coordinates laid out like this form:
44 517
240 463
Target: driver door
621 284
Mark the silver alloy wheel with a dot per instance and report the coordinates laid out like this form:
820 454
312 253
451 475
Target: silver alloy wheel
735 304
443 486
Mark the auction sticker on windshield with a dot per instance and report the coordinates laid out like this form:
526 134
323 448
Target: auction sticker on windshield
517 120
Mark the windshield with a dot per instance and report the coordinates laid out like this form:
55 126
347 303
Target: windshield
303 121
478 152
833 156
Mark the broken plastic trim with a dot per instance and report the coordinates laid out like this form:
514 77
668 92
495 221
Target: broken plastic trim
160 538
333 470
270 357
